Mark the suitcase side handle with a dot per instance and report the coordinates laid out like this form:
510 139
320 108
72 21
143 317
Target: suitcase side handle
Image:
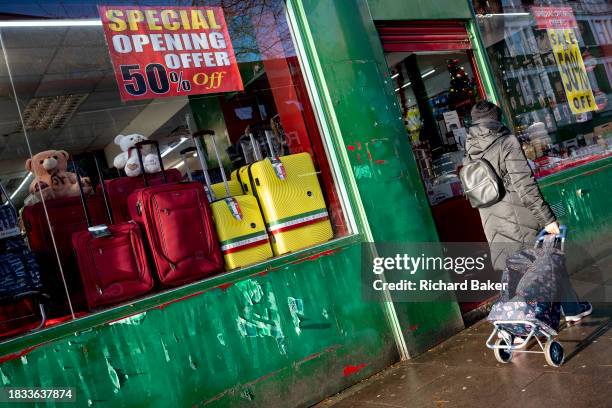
139 147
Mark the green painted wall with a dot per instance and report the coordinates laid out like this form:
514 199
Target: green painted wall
580 198
289 336
419 9
378 149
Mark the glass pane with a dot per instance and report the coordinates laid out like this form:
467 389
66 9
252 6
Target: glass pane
552 67
80 128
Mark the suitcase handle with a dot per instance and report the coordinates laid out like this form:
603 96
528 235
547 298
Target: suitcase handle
183 154
198 142
195 135
82 193
139 146
109 211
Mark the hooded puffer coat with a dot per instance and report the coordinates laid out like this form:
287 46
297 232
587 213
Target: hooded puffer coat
515 221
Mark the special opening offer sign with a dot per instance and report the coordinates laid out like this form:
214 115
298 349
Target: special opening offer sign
161 51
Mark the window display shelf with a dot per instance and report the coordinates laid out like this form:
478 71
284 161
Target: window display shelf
82 324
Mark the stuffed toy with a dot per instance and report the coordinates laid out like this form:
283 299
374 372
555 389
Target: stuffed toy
128 158
51 178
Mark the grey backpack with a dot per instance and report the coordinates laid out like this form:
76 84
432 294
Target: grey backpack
481 184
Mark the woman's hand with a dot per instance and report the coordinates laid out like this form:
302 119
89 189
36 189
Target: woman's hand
553 228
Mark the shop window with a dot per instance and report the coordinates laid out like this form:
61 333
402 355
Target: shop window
69 110
551 65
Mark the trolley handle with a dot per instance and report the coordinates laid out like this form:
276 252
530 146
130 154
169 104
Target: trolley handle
561 236
139 146
184 157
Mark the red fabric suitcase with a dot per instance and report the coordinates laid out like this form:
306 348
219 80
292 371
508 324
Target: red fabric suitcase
66 216
120 188
113 267
177 221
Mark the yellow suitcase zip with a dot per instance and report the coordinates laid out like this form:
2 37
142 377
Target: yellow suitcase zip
238 221
292 202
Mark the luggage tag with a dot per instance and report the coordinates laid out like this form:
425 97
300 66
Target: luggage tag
278 167
100 231
277 164
234 207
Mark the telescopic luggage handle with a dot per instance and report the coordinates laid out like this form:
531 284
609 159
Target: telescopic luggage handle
198 143
138 147
184 157
102 187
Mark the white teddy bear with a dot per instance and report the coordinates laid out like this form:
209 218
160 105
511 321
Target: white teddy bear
128 158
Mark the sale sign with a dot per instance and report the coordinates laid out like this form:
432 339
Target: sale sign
573 72
554 17
170 51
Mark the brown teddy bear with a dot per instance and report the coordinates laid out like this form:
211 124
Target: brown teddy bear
51 178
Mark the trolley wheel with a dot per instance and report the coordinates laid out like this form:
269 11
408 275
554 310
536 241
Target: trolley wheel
502 355
553 351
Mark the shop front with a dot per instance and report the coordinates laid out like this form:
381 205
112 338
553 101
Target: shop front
341 123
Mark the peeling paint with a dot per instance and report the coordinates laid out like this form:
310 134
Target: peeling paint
166 354
259 316
5 379
112 374
131 320
296 309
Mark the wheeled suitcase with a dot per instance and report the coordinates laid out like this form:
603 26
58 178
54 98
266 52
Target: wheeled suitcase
119 189
112 258
238 220
20 279
177 221
291 199
66 216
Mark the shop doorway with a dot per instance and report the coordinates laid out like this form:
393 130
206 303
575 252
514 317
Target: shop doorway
437 82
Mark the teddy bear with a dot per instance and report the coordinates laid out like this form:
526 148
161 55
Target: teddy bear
128 158
51 178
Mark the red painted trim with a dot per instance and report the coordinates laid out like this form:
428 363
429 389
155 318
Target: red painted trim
18 354
352 369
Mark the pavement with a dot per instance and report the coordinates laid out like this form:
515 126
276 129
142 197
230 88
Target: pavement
462 372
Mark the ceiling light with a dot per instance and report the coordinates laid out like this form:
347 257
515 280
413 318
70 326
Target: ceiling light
395 75
51 112
23 183
166 152
502 15
52 23
426 74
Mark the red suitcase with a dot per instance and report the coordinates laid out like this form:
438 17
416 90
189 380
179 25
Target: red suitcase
119 189
66 216
178 223
113 265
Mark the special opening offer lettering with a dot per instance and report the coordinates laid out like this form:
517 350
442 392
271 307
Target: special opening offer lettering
159 51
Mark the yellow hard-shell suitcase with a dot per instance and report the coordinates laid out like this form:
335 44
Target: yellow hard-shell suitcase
234 188
238 220
292 202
